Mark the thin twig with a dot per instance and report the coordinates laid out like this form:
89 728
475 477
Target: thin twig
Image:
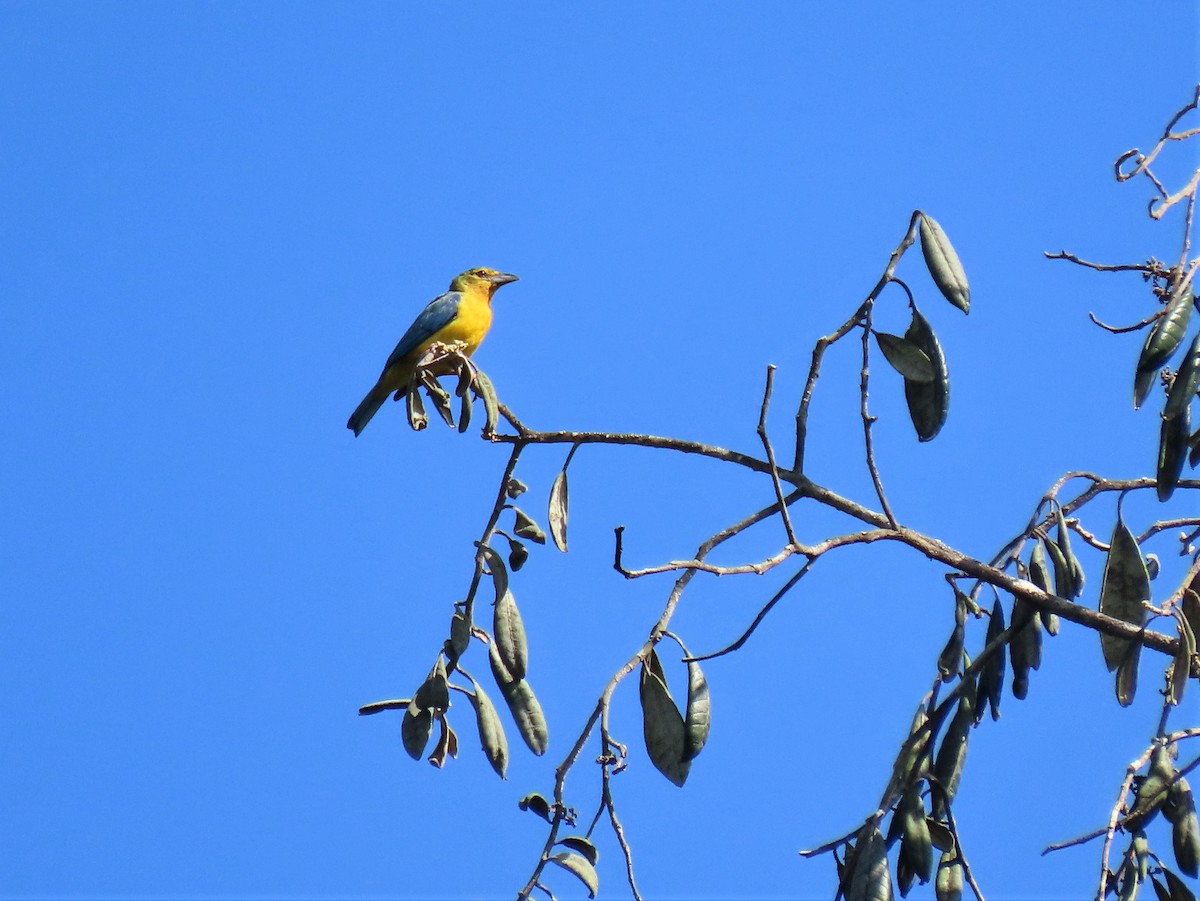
1105 267
962 856
775 599
770 451
1122 329
1163 524
867 419
823 344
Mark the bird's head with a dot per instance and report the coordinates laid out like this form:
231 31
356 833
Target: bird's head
481 277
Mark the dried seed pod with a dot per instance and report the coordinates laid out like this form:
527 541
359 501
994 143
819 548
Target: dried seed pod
415 408
949 883
1074 570
415 729
509 631
698 714
1172 450
581 845
1025 648
557 513
662 725
491 730
1161 342
522 704
1125 585
942 261
991 676
577 864
1151 791
916 846
928 402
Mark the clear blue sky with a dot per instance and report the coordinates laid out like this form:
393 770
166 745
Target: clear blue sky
219 217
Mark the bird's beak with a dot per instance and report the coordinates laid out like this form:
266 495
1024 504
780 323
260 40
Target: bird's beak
502 278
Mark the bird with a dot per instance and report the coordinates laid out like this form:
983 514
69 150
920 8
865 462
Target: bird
463 314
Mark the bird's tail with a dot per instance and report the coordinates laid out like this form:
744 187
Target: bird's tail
369 407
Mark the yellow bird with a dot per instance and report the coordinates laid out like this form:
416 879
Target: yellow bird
462 314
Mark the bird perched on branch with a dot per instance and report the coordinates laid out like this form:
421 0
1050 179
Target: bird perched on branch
463 315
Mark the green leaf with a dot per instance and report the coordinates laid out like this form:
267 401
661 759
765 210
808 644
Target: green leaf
575 863
1178 890
1126 584
943 264
522 704
491 730
536 804
581 845
906 358
1160 891
1183 387
558 511
510 637
1172 450
928 402
514 488
1167 333
662 725
1143 381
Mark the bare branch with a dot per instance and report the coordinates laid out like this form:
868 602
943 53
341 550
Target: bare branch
1147 268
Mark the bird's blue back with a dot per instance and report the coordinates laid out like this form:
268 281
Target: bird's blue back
435 317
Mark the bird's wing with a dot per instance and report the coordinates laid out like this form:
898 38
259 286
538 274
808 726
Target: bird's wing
441 311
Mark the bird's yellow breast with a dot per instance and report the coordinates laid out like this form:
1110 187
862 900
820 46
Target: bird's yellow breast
471 324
